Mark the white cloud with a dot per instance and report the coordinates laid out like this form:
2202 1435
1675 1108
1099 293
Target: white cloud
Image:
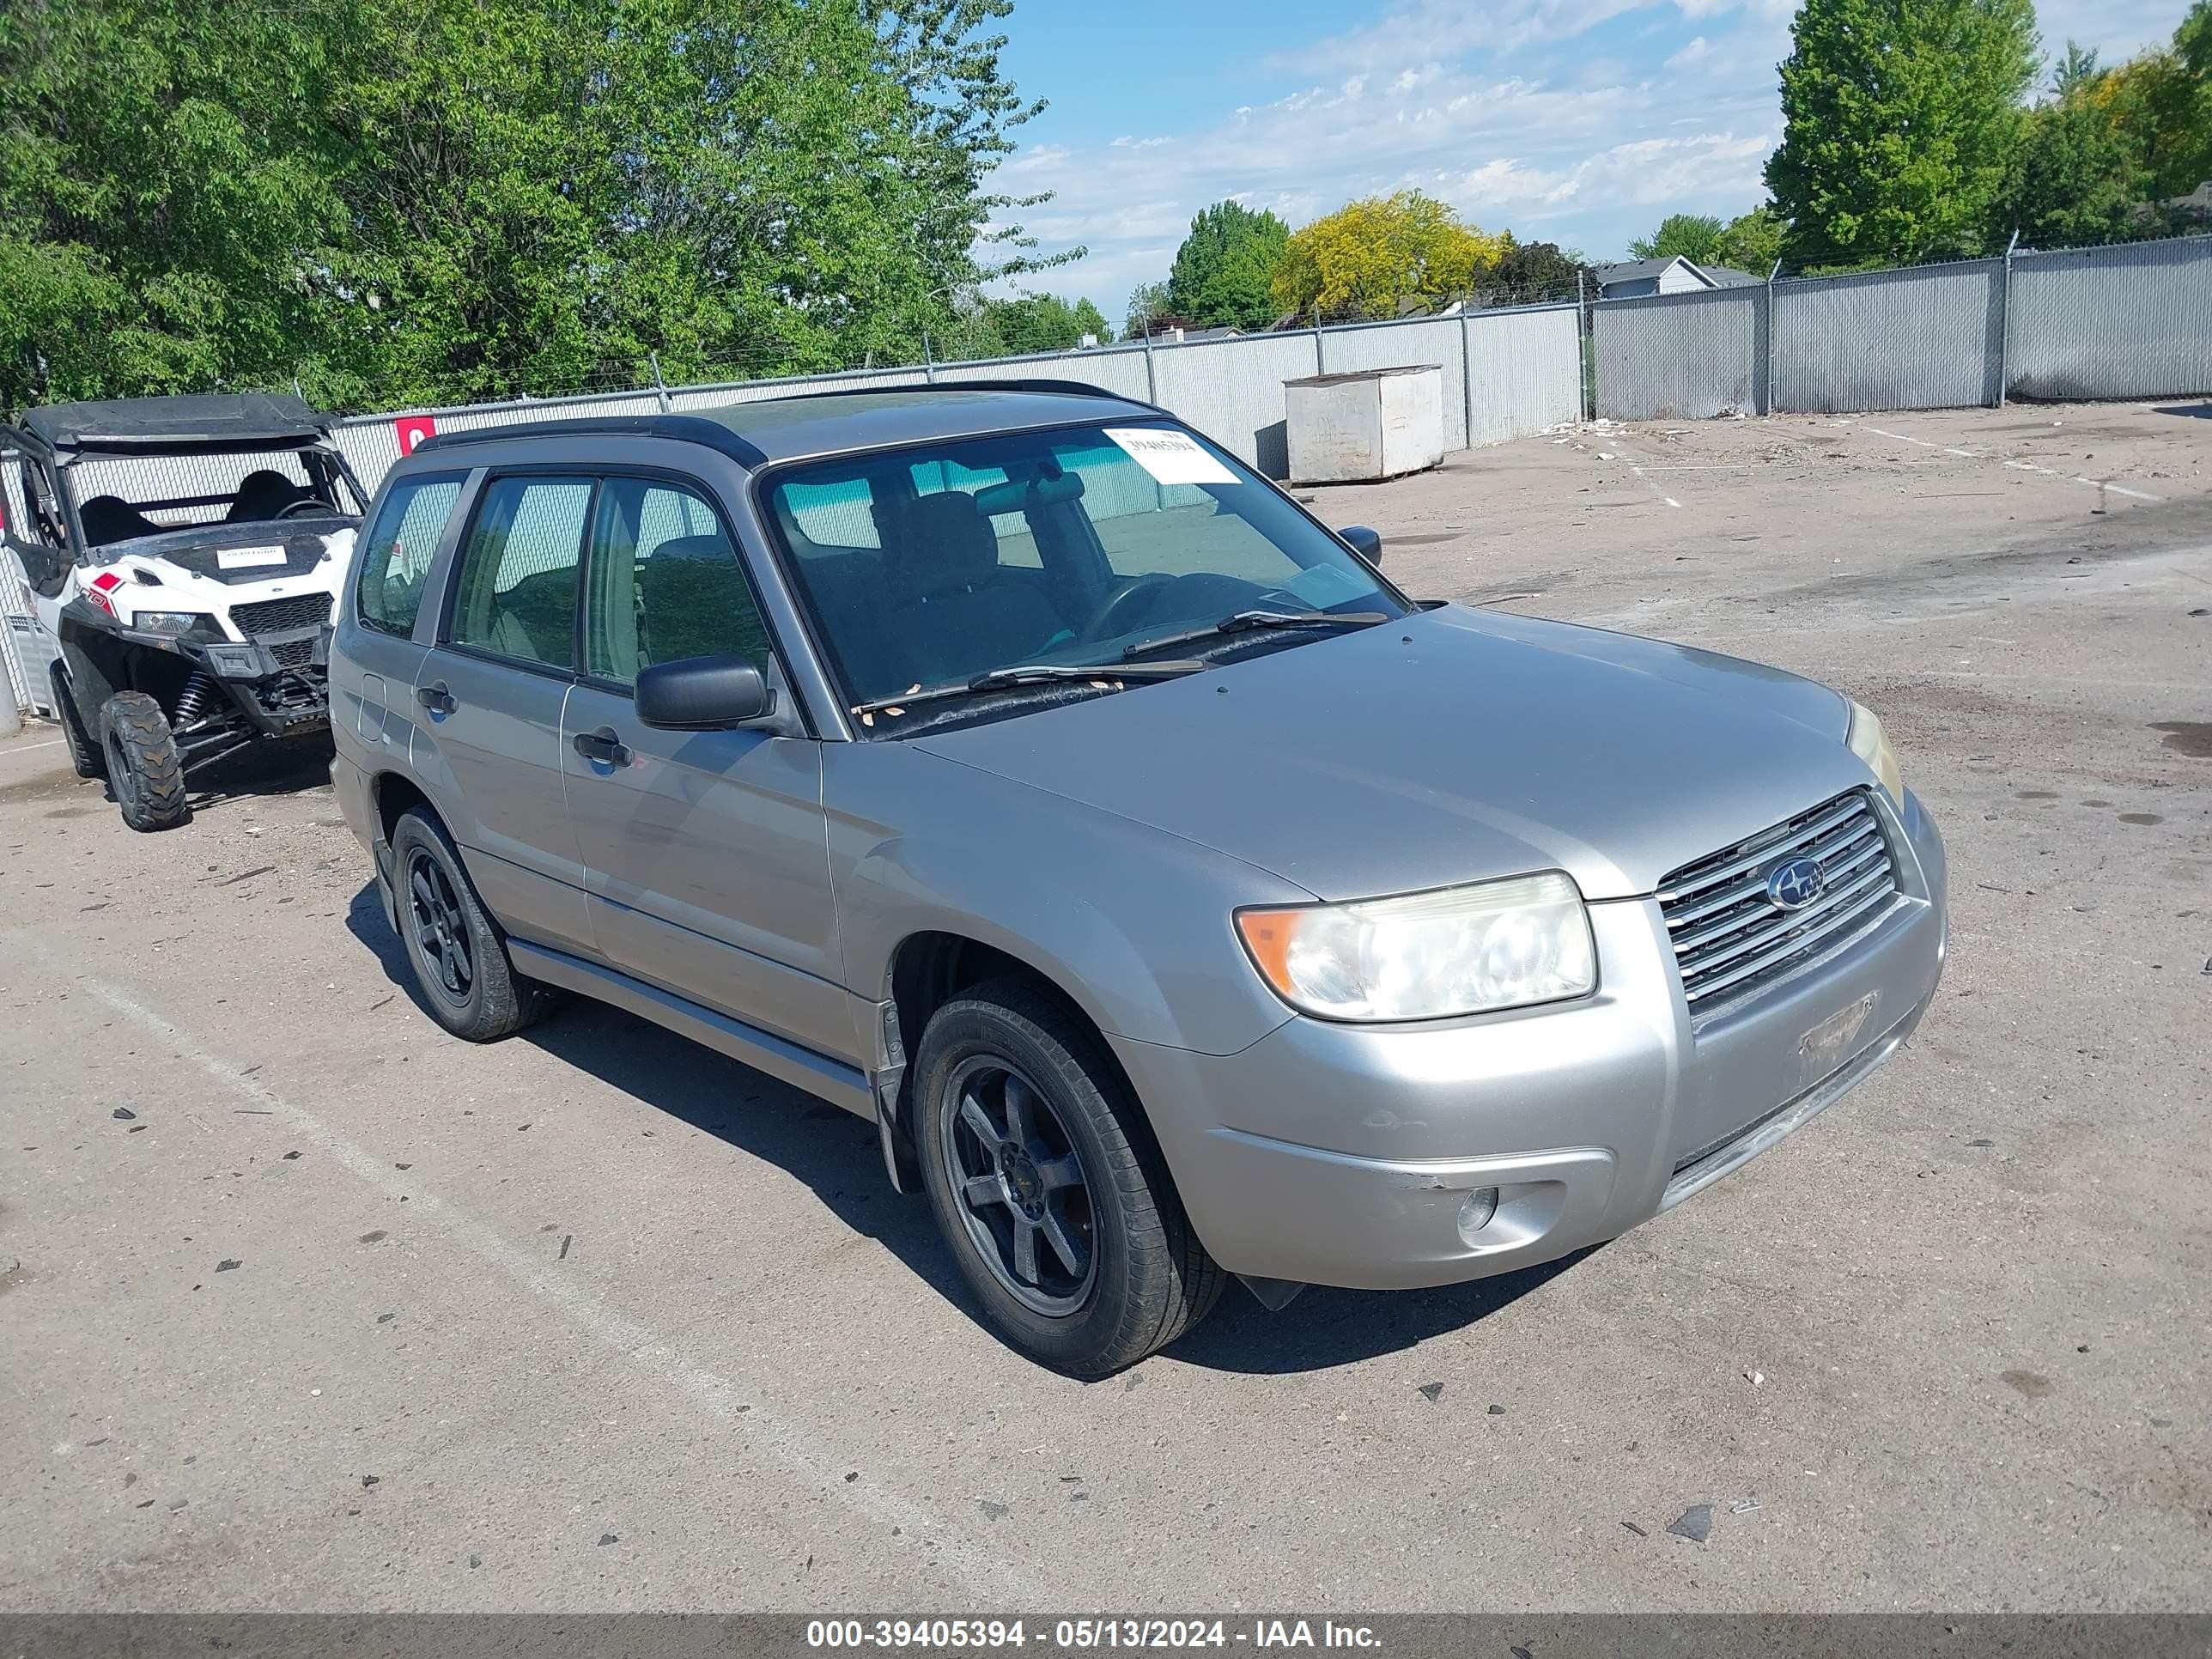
1502 109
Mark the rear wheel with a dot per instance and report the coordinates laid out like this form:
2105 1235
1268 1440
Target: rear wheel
1048 1187
145 773
84 753
459 957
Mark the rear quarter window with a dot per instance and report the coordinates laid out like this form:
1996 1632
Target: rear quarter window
395 558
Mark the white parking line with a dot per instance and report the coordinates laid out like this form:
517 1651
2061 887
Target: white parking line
1907 438
1653 487
808 1464
26 748
2021 467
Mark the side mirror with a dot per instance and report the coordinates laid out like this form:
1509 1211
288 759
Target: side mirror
1362 541
703 694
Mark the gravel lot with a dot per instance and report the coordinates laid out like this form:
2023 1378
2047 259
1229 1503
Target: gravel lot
303 1305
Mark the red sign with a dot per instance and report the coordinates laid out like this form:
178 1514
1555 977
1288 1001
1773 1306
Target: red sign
412 429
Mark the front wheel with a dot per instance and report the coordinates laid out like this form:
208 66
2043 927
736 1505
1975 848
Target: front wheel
1048 1187
145 773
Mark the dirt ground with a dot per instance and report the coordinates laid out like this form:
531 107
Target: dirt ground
304 1306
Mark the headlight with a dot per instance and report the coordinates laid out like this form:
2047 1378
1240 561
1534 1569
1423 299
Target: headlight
1871 744
1458 950
166 621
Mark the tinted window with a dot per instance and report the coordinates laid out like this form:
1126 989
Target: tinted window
395 558
666 583
517 592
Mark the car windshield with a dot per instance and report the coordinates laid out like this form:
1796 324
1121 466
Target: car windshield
927 566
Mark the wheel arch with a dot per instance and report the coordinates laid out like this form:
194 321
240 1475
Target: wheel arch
931 967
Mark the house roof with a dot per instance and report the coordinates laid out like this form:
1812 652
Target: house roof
1635 270
1729 277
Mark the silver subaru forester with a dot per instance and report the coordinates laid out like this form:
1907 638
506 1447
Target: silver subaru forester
1013 767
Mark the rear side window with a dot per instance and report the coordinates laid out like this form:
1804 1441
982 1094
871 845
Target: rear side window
395 560
517 592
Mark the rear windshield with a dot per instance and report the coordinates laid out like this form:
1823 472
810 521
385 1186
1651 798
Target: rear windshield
122 496
926 566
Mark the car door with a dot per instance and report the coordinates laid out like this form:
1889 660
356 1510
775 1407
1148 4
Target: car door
373 678
705 853
489 694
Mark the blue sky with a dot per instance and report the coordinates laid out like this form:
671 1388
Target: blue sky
1582 122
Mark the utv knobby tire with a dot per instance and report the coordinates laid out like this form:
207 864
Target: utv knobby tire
493 1001
1154 1279
84 754
145 773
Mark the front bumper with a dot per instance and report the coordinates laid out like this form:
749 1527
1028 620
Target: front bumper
1343 1155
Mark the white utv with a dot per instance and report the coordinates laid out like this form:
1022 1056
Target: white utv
183 554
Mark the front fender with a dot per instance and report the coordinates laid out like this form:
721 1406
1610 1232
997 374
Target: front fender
1130 922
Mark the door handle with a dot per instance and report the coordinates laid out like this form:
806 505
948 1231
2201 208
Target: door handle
604 745
435 698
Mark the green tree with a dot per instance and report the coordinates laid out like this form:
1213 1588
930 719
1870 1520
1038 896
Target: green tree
460 199
1900 122
1223 270
168 212
2163 98
1147 301
1753 240
1369 255
1692 236
1031 323
1530 273
2082 178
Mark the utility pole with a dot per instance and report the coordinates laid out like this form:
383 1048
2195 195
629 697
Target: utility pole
1771 276
1585 321
2004 324
660 387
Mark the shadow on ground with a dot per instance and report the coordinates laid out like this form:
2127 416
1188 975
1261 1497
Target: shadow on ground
836 1155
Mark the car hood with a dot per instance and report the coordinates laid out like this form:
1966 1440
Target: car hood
1450 746
198 549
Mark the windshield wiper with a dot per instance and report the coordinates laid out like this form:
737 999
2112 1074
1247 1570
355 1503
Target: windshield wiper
1245 622
1030 673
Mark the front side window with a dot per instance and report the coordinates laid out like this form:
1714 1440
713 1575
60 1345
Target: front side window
1076 546
395 558
666 583
516 595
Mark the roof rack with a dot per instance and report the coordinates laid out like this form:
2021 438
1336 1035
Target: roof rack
698 429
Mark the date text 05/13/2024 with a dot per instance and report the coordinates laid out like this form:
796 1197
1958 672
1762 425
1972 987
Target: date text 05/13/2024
1083 1634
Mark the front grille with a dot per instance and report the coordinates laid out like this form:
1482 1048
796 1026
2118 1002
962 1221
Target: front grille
292 653
1730 938
282 616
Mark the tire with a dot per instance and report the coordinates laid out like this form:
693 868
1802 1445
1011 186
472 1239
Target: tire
145 773
1009 1047
84 754
466 979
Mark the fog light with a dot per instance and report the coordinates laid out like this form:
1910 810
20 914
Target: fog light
1474 1214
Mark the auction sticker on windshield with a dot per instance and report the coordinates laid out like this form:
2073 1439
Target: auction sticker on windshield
1172 458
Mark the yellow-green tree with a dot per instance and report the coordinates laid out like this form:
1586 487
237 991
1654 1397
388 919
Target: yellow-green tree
1363 259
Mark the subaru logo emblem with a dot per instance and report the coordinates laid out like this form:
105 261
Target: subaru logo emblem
1795 883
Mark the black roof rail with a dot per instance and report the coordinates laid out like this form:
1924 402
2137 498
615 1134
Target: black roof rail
692 428
697 428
